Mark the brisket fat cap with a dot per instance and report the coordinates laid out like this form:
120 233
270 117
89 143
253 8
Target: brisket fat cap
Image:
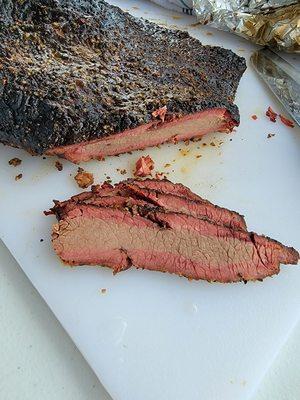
112 226
74 71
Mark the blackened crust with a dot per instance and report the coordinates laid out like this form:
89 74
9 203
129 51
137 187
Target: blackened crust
73 71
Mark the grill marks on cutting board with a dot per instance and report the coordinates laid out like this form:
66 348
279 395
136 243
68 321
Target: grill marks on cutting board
110 226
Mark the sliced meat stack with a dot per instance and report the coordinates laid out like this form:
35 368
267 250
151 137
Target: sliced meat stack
162 226
82 79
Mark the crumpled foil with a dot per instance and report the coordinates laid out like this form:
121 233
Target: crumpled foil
275 23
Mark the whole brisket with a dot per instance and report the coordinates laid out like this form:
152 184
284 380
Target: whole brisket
118 228
82 79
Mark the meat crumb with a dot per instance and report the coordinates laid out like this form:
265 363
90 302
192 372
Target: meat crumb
18 177
213 144
122 171
198 156
84 179
160 113
254 117
271 114
14 162
144 166
270 135
209 34
204 144
167 165
286 121
186 142
103 291
58 165
160 175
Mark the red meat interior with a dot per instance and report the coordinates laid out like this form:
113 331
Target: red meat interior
149 135
190 247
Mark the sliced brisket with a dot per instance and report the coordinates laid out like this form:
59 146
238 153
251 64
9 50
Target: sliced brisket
167 242
167 187
132 192
197 207
82 79
110 227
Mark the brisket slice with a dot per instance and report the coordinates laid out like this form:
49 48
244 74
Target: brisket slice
167 187
197 208
167 242
131 192
82 79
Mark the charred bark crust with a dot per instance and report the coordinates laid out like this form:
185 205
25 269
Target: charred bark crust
75 70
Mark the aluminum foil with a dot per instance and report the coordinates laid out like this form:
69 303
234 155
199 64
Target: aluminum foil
274 23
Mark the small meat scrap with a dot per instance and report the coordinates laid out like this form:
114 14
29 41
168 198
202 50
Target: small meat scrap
14 162
18 177
254 117
160 176
160 113
84 179
270 135
144 166
272 115
286 121
58 165
122 171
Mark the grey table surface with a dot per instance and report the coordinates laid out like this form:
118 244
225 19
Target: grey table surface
39 361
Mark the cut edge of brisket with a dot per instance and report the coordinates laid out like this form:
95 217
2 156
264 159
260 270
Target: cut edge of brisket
149 135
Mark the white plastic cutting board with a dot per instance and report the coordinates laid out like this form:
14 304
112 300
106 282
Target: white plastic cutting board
155 336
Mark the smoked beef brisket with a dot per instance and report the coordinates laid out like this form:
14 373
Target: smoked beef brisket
83 79
117 227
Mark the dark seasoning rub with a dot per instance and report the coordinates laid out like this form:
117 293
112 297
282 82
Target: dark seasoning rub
73 71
